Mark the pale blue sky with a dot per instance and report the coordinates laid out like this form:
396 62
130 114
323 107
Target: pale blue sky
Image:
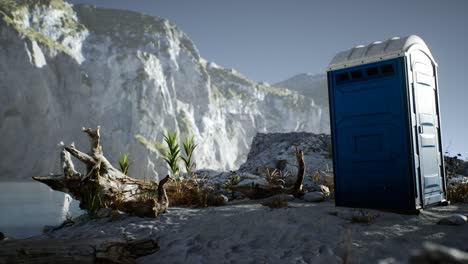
271 40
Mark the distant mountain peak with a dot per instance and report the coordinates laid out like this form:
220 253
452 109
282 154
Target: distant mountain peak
136 76
308 84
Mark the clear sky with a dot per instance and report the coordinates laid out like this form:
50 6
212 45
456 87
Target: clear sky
271 40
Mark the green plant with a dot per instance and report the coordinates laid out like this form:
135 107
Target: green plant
232 181
189 147
172 152
91 200
124 163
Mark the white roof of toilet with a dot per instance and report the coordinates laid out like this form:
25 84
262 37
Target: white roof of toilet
379 50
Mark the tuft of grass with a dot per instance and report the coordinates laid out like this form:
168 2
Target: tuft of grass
182 191
91 200
232 181
189 148
124 163
172 152
362 216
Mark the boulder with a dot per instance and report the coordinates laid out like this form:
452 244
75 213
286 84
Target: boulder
221 199
434 253
104 212
314 197
276 151
318 188
455 219
117 215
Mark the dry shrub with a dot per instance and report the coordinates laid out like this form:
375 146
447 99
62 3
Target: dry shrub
362 216
457 193
452 165
275 177
182 191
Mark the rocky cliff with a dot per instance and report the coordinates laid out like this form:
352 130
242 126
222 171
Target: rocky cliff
63 67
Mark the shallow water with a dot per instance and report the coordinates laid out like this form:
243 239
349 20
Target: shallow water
26 207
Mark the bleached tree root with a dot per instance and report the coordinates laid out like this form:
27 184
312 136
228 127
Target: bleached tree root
105 186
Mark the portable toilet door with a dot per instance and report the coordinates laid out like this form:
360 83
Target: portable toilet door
385 124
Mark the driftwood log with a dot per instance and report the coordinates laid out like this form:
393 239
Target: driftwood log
105 186
258 191
48 251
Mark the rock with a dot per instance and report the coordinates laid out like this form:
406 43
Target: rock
434 253
2 236
212 197
238 195
281 164
104 212
117 215
213 177
318 188
263 170
221 199
324 189
249 180
314 197
277 150
81 219
455 219
178 90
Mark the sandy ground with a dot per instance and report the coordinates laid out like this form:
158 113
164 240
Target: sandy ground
302 233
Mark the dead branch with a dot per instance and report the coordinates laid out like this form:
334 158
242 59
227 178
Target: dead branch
111 187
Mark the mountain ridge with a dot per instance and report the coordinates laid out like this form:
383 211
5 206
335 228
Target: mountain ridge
69 66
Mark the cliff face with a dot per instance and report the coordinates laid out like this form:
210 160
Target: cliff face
63 67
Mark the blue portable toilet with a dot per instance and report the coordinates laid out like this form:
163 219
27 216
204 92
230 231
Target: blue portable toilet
385 124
